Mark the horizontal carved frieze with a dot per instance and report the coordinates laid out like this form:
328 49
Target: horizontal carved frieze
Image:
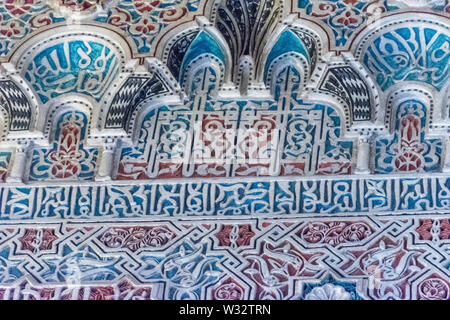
248 197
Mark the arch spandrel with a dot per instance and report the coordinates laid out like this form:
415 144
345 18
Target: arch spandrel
211 149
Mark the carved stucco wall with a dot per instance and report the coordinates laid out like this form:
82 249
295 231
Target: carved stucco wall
224 149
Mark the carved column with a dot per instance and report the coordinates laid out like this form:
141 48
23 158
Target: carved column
363 160
446 166
106 161
18 164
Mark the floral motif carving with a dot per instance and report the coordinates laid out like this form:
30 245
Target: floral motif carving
135 238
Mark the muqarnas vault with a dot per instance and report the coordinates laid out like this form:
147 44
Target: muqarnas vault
224 149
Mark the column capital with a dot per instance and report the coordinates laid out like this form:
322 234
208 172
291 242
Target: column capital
19 162
363 154
109 144
23 145
106 159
